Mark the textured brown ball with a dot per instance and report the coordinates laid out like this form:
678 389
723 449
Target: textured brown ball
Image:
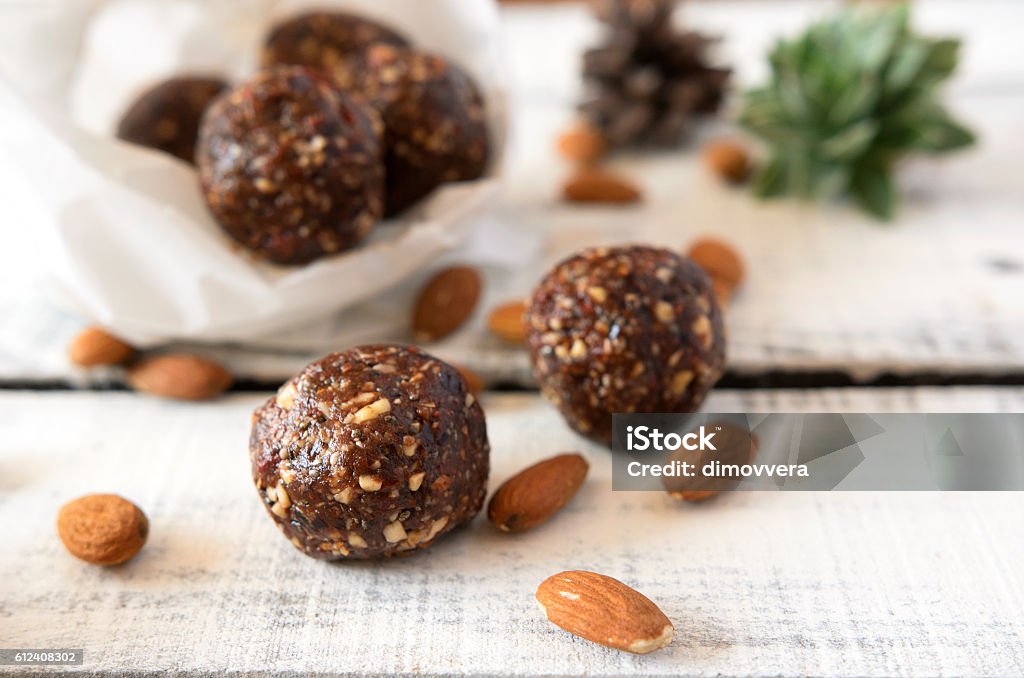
328 41
167 116
102 529
371 453
625 329
291 167
434 117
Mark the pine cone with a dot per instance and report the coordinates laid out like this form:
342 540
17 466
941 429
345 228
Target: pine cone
648 80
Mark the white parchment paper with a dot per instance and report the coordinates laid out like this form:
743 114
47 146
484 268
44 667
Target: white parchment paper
122 232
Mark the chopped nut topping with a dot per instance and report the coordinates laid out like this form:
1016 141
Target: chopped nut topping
702 328
394 532
598 294
681 381
664 312
372 411
356 540
369 483
286 396
415 480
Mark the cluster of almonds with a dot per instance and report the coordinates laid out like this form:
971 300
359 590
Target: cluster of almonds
585 147
173 375
587 604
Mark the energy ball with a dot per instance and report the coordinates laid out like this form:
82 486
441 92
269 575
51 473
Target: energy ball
370 453
328 41
291 167
624 329
436 126
166 117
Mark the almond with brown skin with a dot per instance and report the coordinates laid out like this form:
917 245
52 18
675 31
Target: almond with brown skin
721 261
182 377
94 346
605 611
533 495
446 302
507 322
728 160
474 382
582 143
102 529
593 185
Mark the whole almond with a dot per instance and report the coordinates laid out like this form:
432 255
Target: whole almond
605 611
533 495
474 382
592 185
728 160
720 260
446 302
102 529
723 291
94 346
183 377
582 143
507 322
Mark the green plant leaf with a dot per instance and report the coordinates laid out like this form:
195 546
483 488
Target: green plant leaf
873 189
941 135
851 142
846 100
943 57
770 180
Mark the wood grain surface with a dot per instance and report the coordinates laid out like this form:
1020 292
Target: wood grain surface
866 584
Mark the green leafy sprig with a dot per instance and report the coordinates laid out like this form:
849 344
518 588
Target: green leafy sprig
848 99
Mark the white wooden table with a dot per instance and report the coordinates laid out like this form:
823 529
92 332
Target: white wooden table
867 584
864 584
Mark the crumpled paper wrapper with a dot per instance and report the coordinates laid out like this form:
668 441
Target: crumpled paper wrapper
123 233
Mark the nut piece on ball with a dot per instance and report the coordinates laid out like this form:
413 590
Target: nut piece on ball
291 167
371 453
327 41
102 529
435 120
625 329
166 117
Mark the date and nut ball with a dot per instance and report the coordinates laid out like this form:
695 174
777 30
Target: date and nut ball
330 41
166 117
370 453
434 119
291 167
624 329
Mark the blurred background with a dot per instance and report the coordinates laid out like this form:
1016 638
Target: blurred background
831 295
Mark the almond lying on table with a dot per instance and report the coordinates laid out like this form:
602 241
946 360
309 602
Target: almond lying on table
722 263
178 376
507 322
582 143
474 382
593 185
605 611
728 159
102 529
94 346
446 302
533 495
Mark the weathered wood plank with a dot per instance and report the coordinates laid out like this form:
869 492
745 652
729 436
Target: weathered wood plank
757 584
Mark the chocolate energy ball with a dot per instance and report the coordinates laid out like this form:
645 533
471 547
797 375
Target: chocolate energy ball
371 453
624 329
291 167
328 41
166 117
434 117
